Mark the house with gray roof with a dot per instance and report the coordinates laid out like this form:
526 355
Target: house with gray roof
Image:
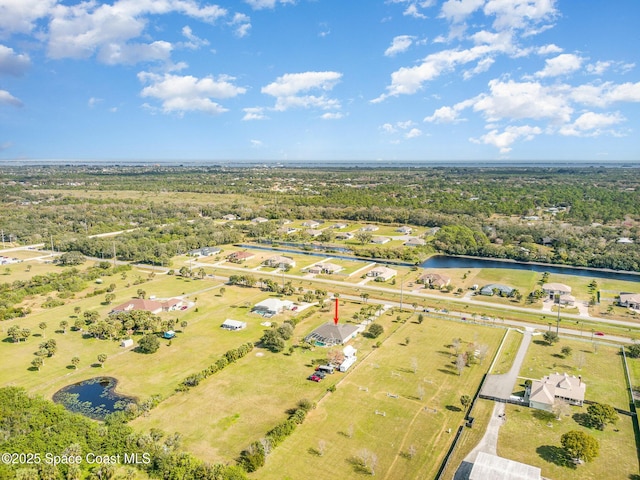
330 334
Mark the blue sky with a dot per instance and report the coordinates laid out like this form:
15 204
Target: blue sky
320 79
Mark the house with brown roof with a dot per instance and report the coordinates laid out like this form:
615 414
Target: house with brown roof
434 280
542 394
241 256
149 305
280 261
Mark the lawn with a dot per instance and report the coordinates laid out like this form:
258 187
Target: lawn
507 353
541 447
601 370
346 420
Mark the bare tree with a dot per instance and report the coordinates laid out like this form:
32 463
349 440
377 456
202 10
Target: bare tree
483 350
420 392
414 364
368 460
411 451
350 431
580 360
461 362
560 408
322 445
456 345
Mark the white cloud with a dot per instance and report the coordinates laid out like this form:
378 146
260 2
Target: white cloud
180 94
110 30
409 80
262 4
332 116
256 143
604 94
388 128
413 133
19 16
444 115
457 10
288 90
412 11
254 113
520 14
194 42
12 63
503 140
482 66
548 49
242 24
8 99
591 124
519 100
93 101
561 65
399 44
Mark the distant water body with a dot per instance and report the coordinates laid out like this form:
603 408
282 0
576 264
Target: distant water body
319 164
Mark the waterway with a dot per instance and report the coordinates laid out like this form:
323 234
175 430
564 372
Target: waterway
443 262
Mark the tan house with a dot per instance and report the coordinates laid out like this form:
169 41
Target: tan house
370 228
380 240
383 273
415 242
405 230
434 280
543 393
153 306
553 289
327 268
259 220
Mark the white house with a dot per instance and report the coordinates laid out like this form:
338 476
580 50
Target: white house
279 261
312 232
415 242
630 300
370 228
327 268
492 467
311 224
229 217
233 325
382 272
259 220
340 226
126 343
405 230
271 307
553 289
543 393
380 240
204 251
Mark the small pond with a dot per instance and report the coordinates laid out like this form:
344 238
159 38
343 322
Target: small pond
94 398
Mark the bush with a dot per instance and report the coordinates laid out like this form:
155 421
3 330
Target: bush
149 344
375 330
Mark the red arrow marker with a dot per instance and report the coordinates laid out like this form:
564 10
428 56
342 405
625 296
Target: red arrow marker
335 318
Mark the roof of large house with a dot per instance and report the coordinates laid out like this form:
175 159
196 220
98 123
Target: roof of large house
494 286
332 333
435 277
492 467
382 270
273 304
138 304
240 255
630 297
558 287
557 385
280 259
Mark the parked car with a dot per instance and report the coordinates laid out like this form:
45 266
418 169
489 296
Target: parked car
599 334
314 378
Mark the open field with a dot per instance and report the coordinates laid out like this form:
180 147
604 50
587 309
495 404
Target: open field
508 353
541 447
408 420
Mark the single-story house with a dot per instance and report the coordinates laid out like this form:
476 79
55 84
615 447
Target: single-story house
415 242
566 299
344 236
153 306
382 272
279 261
271 307
126 343
543 393
491 289
330 334
327 268
626 240
553 289
204 251
259 220
312 232
286 230
405 229
239 257
229 324
380 240
230 217
488 466
434 280
340 226
311 224
370 228
630 300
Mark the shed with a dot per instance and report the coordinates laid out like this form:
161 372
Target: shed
169 334
126 343
229 324
349 351
344 366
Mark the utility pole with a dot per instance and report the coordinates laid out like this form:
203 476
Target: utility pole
114 254
52 250
2 238
558 320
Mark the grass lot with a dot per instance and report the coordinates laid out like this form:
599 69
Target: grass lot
406 423
602 371
508 353
541 445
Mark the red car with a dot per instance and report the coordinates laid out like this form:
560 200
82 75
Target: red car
599 334
314 378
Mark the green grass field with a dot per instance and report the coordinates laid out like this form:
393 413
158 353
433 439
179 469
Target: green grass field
408 420
540 445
